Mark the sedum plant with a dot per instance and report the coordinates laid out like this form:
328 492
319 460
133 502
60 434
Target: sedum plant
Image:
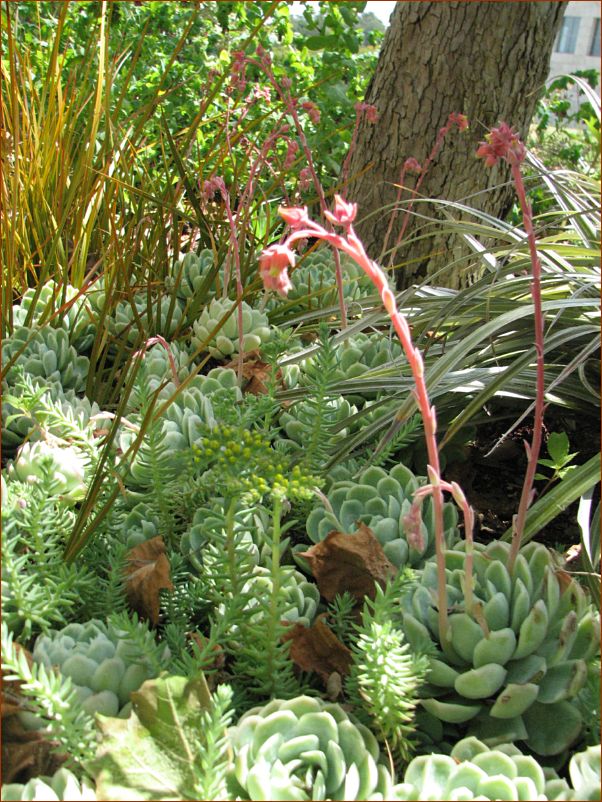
476 771
381 500
63 785
224 344
517 648
305 748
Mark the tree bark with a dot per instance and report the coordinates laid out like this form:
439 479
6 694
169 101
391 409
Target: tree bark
486 60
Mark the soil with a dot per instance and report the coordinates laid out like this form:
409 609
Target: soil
492 474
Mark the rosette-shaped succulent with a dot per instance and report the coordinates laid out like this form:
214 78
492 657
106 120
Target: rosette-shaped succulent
190 273
298 419
584 771
224 345
475 771
63 785
105 664
515 658
76 316
209 526
67 466
45 353
314 281
300 597
136 323
381 500
304 748
156 369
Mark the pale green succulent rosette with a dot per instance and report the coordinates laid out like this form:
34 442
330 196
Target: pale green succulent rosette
381 499
190 274
475 771
104 664
63 785
300 598
297 419
585 773
304 748
133 324
224 345
67 467
509 670
47 354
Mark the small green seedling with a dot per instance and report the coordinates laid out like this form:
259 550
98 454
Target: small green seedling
560 459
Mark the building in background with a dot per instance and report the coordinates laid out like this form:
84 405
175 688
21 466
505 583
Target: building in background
577 46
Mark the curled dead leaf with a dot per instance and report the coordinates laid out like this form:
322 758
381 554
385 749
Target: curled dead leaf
353 563
255 373
148 572
318 649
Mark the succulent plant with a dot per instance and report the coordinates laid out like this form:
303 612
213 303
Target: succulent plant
380 499
135 323
224 345
68 468
301 598
104 664
584 771
304 748
314 282
209 524
189 274
45 353
475 771
513 661
63 785
298 418
78 320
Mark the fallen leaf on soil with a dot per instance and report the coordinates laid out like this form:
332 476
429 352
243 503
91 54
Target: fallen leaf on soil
255 372
353 563
26 753
148 572
318 649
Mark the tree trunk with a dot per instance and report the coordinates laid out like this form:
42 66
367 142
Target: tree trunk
485 60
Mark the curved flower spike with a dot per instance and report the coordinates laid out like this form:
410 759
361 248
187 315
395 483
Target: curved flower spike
344 213
273 266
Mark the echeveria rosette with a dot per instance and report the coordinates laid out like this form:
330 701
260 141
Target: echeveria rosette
190 274
476 771
67 466
63 785
224 345
304 748
511 666
381 500
298 418
45 353
104 664
135 323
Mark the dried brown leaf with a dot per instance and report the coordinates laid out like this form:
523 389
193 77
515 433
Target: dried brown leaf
353 563
255 372
148 572
318 649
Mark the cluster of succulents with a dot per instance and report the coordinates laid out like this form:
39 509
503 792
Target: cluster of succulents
136 319
224 344
105 665
190 274
67 466
44 353
304 748
510 664
381 499
314 281
300 598
63 785
476 771
76 316
299 418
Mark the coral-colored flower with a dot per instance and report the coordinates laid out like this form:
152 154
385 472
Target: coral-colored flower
461 120
295 216
370 111
312 110
273 266
502 143
412 165
344 213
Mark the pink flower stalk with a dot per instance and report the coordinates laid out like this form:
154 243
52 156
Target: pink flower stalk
371 113
291 152
313 112
412 527
273 266
504 143
351 245
305 179
410 165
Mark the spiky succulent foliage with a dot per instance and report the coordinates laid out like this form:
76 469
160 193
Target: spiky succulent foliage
59 307
63 785
39 589
476 771
52 699
136 319
104 662
386 674
516 651
381 499
224 344
305 748
46 354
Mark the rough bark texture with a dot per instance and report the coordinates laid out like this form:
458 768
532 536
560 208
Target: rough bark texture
486 60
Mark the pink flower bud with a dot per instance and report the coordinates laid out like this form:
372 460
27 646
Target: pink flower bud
312 111
273 266
412 527
412 165
305 179
461 120
344 213
502 143
295 216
